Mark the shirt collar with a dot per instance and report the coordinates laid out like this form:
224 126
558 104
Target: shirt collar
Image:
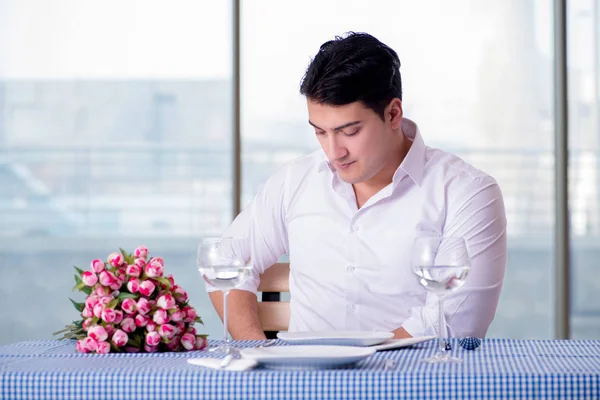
412 165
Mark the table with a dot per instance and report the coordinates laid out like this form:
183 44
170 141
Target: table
499 368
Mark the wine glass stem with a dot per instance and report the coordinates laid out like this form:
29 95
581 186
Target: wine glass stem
442 325
225 329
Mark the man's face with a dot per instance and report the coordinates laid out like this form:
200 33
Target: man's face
355 139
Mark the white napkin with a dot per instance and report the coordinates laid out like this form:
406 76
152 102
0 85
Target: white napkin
242 364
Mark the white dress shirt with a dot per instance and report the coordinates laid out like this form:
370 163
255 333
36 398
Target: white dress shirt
350 267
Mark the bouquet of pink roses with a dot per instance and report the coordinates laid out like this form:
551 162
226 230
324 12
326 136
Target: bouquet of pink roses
132 307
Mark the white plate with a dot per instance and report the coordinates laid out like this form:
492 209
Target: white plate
339 338
398 343
307 356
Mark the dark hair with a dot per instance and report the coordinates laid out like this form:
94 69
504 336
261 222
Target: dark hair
357 67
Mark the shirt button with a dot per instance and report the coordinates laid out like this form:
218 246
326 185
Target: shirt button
350 268
355 227
351 307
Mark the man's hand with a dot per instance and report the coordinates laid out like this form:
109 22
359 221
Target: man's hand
401 333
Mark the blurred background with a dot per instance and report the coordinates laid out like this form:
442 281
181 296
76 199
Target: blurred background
116 130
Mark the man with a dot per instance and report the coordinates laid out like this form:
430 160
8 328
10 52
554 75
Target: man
347 215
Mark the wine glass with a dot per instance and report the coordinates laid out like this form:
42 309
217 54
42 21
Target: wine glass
220 266
441 265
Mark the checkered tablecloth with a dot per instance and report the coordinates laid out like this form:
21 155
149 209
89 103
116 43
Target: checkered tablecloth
499 368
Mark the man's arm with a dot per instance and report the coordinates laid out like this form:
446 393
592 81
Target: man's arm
262 227
476 213
242 315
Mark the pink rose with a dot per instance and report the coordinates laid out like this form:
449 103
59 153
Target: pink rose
121 277
106 278
89 278
151 326
171 280
133 285
191 330
81 346
90 344
188 341
109 330
101 291
128 306
98 308
141 320
97 266
146 288
133 270
152 338
120 338
154 269
150 349
177 316
141 263
174 344
103 348
128 324
115 259
158 260
166 302
190 314
141 252
85 325
180 328
166 331
87 312
98 333
143 306
105 300
109 315
180 295
161 317
91 301
118 316
201 343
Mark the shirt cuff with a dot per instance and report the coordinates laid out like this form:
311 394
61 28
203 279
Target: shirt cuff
422 322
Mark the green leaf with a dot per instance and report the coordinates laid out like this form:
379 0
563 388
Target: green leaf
135 341
94 320
79 270
128 257
80 286
87 290
78 306
125 295
77 279
164 281
199 320
114 347
113 303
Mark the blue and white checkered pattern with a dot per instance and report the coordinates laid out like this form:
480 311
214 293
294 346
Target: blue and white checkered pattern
499 368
